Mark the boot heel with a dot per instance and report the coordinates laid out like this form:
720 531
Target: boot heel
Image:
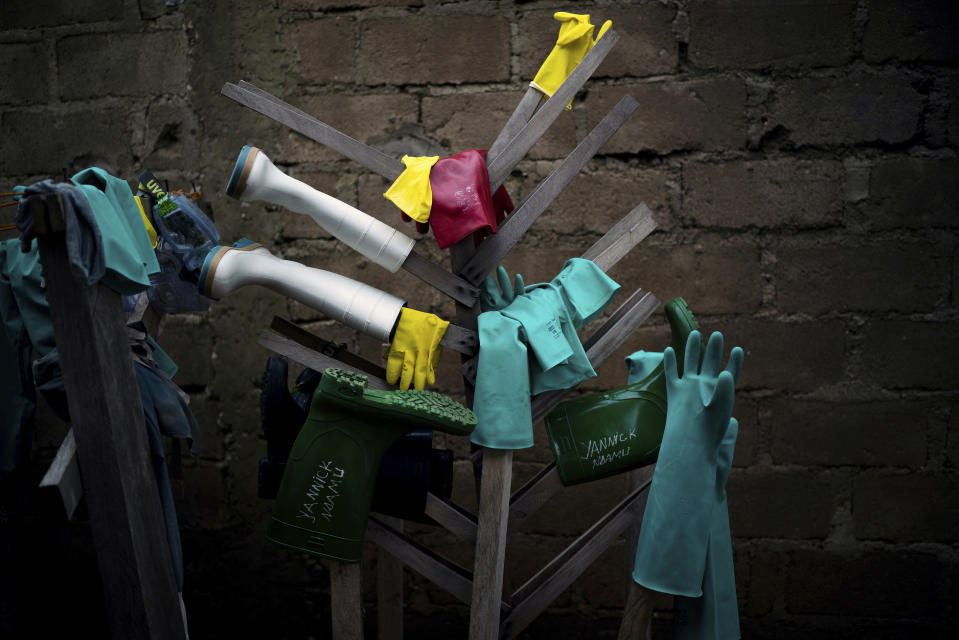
345 384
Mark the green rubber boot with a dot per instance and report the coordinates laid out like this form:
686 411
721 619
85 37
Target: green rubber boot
324 497
608 433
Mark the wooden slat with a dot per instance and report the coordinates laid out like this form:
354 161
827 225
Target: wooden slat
453 518
313 359
517 120
272 107
536 594
441 279
346 599
308 339
115 465
63 475
620 240
492 521
533 495
448 575
496 247
389 589
638 612
461 339
540 123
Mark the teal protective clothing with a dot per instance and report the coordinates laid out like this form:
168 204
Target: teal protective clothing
714 616
127 251
26 326
675 532
105 237
531 346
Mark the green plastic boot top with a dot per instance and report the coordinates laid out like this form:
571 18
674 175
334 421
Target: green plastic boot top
612 432
324 497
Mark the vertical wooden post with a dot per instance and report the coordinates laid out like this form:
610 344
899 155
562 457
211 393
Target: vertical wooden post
389 589
346 600
125 517
492 521
638 610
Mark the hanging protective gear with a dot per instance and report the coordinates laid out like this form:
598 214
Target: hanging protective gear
544 318
254 177
357 305
714 616
324 497
458 200
415 351
493 297
674 535
411 191
606 433
573 43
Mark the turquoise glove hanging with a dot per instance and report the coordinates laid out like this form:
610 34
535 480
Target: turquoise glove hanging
497 294
715 615
674 536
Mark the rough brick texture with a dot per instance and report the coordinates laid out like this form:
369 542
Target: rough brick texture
912 508
135 64
433 49
773 193
752 34
848 109
800 162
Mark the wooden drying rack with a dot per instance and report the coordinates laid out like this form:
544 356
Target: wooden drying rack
491 616
116 473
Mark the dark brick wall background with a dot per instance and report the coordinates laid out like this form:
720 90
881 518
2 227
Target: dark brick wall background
801 161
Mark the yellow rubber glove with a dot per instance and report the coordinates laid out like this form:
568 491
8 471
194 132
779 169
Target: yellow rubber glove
415 352
574 41
411 191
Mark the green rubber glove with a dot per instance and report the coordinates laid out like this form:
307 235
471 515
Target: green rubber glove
494 297
674 535
715 615
415 352
574 42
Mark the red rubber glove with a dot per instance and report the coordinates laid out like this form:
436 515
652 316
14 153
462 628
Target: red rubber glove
462 203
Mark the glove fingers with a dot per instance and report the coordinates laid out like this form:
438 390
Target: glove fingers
519 287
419 375
406 376
405 217
714 355
423 227
394 366
669 365
722 401
603 29
691 359
735 364
504 283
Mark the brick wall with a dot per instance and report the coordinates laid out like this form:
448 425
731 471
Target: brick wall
801 161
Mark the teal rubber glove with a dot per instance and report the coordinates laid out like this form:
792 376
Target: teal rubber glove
715 615
674 535
493 296
501 400
641 363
